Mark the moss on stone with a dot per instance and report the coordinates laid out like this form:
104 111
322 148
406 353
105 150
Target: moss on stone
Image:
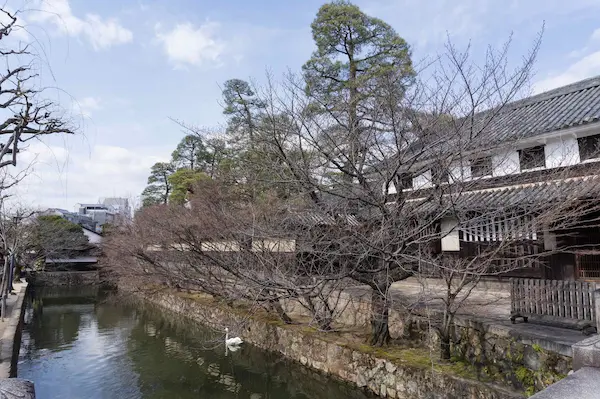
527 379
418 358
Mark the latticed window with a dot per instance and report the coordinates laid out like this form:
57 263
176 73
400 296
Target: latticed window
532 158
588 265
589 147
481 167
440 175
403 181
499 229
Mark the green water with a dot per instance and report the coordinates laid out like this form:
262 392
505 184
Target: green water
82 345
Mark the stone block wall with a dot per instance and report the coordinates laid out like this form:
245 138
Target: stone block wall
393 378
498 352
52 279
350 310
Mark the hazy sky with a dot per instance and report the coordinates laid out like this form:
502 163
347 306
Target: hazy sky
125 66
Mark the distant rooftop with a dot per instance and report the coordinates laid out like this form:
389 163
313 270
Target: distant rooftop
115 201
55 210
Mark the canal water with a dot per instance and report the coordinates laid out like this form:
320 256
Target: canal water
82 344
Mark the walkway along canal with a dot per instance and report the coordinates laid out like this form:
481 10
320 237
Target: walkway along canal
81 344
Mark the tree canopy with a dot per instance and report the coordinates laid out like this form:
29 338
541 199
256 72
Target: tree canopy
354 56
190 153
159 187
182 183
190 158
56 237
311 160
243 107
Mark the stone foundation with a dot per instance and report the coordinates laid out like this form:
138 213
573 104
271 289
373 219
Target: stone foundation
497 352
10 341
388 375
71 278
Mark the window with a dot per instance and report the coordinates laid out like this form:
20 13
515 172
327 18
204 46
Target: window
439 175
481 167
589 147
404 181
532 158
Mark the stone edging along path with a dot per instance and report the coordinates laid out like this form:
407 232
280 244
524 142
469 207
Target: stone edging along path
406 374
11 335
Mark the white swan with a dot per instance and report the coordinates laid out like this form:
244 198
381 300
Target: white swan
235 341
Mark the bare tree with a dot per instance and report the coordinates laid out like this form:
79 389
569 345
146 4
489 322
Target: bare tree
234 249
423 131
336 190
28 115
14 238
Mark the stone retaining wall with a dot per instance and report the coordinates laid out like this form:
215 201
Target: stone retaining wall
10 341
393 378
495 350
70 278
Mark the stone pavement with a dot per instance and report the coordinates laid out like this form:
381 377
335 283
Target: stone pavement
487 300
582 384
10 303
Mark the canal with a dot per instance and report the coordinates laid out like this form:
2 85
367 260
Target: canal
82 344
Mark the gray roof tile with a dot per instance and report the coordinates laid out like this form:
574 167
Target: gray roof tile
569 106
573 105
313 218
525 195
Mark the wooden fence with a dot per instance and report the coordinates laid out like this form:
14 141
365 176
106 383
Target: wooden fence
557 299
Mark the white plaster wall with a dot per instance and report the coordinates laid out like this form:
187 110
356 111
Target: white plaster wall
220 246
274 246
505 163
180 247
561 152
423 180
450 241
391 189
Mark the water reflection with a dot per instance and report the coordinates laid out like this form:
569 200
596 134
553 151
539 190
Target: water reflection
83 346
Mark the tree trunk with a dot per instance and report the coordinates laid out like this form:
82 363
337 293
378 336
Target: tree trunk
444 346
4 286
322 317
380 331
276 305
324 323
11 272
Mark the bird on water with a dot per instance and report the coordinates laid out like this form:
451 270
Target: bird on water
235 341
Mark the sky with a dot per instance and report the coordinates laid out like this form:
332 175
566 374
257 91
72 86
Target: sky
123 69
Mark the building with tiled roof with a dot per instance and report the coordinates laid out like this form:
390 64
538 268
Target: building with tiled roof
528 154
